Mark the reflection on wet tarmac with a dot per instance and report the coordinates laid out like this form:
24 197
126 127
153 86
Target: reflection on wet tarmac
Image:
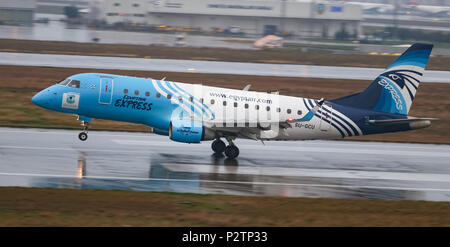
81 171
137 161
180 173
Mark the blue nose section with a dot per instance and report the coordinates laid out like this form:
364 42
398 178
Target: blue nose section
38 99
43 98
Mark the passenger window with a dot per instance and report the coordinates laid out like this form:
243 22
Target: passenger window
235 104
201 100
191 99
169 96
299 112
212 102
224 103
257 107
74 84
289 111
278 109
147 94
125 91
158 95
180 98
136 92
246 106
268 108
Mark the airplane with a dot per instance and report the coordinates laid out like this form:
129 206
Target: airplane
375 8
432 11
191 113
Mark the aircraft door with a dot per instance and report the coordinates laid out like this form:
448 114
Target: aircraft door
106 90
326 117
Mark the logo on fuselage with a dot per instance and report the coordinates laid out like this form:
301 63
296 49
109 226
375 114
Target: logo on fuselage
133 102
70 100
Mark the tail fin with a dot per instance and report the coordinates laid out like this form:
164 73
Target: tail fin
393 90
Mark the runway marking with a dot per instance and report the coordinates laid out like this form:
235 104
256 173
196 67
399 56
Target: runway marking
229 182
75 132
145 152
346 147
328 149
251 147
301 172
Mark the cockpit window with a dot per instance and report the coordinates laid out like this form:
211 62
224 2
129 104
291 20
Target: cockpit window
65 82
74 84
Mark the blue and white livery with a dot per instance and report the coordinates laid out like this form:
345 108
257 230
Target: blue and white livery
192 113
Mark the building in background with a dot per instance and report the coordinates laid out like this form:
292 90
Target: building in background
17 12
120 11
57 6
252 18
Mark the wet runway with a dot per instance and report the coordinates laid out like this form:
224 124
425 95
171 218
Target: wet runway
148 162
208 67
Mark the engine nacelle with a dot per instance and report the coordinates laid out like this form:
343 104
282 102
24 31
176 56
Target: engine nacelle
189 132
160 132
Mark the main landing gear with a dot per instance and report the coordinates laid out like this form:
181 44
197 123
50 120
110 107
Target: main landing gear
83 135
231 151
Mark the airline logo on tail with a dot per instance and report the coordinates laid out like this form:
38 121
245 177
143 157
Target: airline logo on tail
395 94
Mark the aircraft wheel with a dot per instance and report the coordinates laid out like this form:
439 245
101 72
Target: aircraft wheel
83 136
231 151
218 146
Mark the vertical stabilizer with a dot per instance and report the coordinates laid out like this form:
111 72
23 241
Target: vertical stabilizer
393 90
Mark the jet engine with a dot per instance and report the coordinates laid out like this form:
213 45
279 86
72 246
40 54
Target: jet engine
160 132
189 131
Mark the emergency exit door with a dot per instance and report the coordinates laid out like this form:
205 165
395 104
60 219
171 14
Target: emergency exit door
106 90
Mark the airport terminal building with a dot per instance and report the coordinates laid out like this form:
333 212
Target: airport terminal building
13 12
254 18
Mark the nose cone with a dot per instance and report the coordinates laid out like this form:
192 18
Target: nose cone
39 99
43 98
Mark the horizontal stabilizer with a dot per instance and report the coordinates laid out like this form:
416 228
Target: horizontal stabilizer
400 121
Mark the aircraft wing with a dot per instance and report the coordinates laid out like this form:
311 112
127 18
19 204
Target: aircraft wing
250 130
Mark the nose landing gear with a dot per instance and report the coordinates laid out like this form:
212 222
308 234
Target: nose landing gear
83 135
